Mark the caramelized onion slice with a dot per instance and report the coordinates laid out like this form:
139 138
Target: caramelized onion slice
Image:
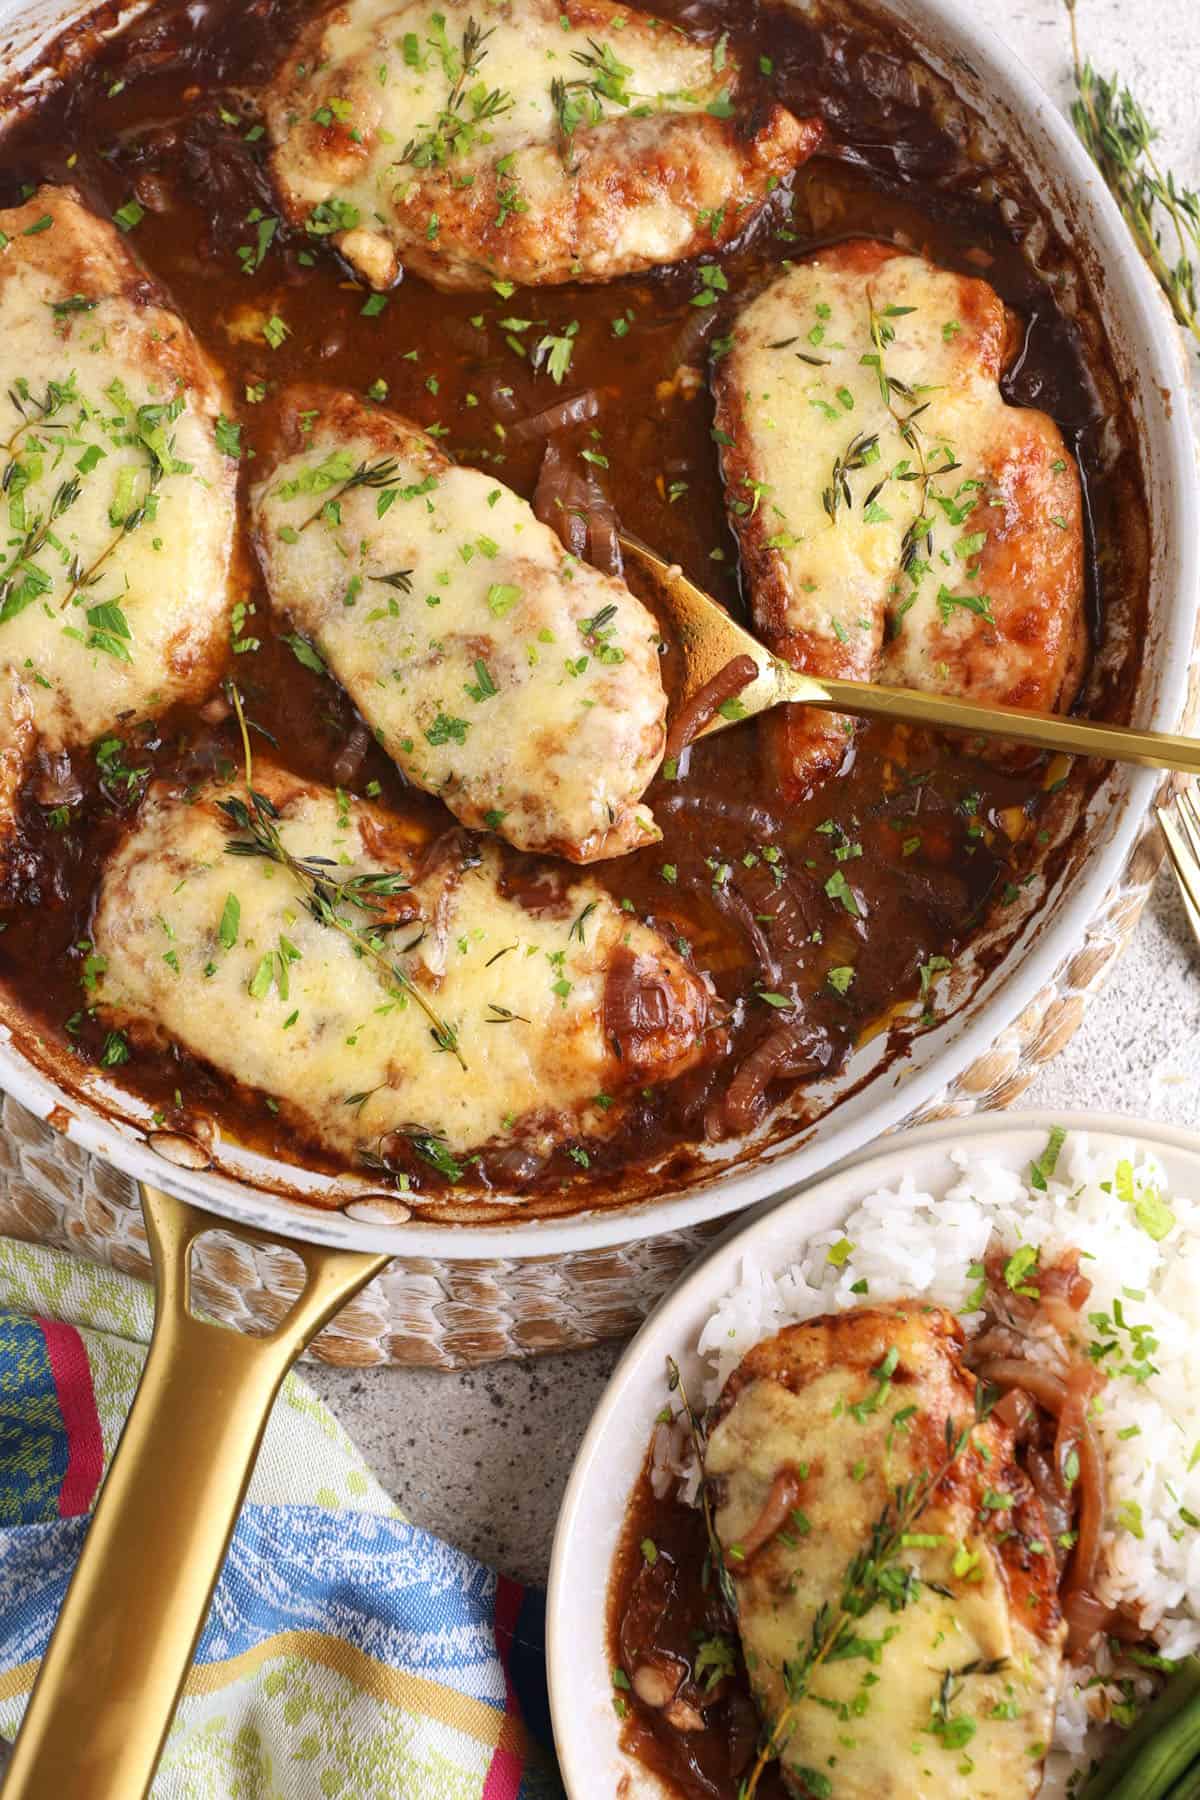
575 410
560 497
783 1496
703 706
1008 1372
604 542
1089 1491
791 1050
1086 1618
349 759
657 1681
1056 1505
1081 1491
1018 1411
572 502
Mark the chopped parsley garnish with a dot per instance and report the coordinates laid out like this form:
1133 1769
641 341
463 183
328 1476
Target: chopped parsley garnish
446 730
1041 1170
838 888
304 653
1019 1267
554 352
228 436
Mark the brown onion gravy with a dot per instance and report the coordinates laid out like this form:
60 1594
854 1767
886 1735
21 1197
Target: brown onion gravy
670 1607
164 110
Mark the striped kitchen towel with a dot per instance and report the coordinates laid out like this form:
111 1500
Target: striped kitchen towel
347 1654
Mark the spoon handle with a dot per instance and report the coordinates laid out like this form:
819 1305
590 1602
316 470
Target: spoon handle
1046 731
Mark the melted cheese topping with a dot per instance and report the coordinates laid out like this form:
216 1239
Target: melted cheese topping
219 953
897 517
548 151
120 505
501 674
915 1724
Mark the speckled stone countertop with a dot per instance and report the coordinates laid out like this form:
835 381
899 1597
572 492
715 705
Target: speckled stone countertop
483 1458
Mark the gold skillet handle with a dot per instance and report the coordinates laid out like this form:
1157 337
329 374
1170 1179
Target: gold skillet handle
105 1695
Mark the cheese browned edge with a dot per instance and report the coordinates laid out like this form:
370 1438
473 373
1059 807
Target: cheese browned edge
559 1003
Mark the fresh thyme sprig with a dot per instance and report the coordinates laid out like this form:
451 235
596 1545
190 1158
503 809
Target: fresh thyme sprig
1120 140
883 333
695 1425
381 474
863 449
857 454
324 895
58 393
872 1577
918 533
400 579
579 101
80 576
453 131
15 598
149 435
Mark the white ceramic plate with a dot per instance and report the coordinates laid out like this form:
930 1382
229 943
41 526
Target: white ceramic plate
586 1729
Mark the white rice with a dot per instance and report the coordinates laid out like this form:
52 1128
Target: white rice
904 1244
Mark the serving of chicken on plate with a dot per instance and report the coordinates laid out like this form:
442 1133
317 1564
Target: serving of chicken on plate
895 1589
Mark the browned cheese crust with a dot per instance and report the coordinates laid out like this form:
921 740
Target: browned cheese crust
930 540
641 157
555 1006
113 590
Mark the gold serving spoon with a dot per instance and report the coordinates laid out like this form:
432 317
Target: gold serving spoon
709 640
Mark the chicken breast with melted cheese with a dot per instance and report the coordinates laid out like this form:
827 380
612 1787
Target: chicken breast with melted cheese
519 685
496 999
838 1438
898 521
113 589
542 142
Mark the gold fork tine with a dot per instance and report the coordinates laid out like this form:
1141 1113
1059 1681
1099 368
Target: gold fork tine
1189 812
1182 838
1187 871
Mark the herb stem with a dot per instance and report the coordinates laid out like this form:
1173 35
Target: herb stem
697 1434
860 1591
82 579
235 697
257 816
1119 137
379 474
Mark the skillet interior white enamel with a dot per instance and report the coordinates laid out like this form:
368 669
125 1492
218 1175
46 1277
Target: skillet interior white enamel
876 1090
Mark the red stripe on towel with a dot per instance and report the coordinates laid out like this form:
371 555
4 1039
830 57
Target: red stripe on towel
77 1403
503 1779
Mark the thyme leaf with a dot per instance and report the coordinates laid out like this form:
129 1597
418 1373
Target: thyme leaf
872 1577
469 103
327 898
381 474
1120 140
